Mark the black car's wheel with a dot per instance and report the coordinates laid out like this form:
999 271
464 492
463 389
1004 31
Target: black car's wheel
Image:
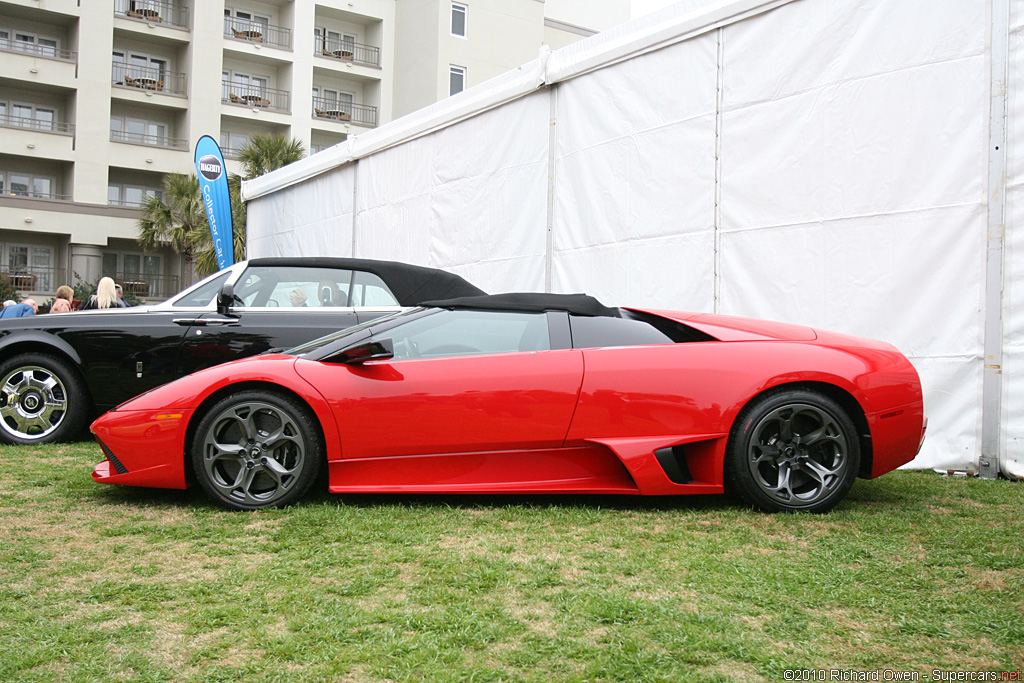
42 399
257 449
792 450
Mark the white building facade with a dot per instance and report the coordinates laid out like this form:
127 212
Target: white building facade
98 100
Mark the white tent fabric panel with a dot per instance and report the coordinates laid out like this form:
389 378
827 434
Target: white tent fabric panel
315 219
876 145
420 203
912 279
822 162
675 272
810 44
1013 292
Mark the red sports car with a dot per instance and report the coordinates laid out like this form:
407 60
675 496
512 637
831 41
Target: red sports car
532 393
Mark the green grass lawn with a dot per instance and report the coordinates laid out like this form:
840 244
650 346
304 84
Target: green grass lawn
912 572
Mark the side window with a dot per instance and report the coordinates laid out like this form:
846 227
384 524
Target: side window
202 296
369 290
588 332
468 333
633 329
309 287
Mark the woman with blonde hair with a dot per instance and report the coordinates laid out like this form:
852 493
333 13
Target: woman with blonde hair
62 304
105 296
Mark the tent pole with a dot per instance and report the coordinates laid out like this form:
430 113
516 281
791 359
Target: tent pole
552 140
992 385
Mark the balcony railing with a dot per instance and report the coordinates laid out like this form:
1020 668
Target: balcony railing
347 51
255 32
151 140
59 127
147 285
149 79
34 278
33 194
324 108
49 51
153 11
249 95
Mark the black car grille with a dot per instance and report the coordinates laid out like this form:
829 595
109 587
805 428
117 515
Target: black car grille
121 469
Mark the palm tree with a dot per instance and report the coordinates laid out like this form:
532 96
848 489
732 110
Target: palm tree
180 220
265 153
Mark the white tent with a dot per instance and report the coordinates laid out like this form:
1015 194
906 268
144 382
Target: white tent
847 164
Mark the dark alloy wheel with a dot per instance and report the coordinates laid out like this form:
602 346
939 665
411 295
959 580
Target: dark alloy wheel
257 449
42 399
792 450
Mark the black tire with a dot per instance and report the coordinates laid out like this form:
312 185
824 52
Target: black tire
257 449
43 399
792 450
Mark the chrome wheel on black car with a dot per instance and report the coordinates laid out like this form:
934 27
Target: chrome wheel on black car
41 400
257 449
792 450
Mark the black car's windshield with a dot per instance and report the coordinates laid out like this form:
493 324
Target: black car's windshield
307 348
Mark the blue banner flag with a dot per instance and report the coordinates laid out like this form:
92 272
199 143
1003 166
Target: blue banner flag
213 184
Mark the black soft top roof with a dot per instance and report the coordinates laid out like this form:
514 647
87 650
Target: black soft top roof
410 284
535 302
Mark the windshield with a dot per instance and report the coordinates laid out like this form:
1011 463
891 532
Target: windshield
304 349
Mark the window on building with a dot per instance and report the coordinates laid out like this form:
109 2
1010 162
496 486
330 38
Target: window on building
28 185
127 194
331 102
141 273
242 88
459 16
129 129
244 20
137 65
29 115
232 143
456 79
32 261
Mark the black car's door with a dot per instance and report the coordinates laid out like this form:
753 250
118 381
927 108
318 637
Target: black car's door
125 353
215 338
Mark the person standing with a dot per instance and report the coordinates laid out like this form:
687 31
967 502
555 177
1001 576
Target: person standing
105 296
62 304
120 296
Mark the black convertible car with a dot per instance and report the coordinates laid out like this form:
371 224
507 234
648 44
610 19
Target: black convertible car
58 370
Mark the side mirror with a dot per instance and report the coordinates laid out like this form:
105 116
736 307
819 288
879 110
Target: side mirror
225 299
377 349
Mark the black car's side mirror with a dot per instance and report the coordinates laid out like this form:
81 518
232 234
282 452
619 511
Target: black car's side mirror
225 299
374 349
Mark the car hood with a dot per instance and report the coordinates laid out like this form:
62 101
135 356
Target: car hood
734 328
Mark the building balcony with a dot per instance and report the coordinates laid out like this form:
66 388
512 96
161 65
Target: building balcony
47 51
148 79
164 141
57 127
257 33
344 112
43 279
255 96
153 12
347 51
147 285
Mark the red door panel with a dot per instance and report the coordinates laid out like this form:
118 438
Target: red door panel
451 405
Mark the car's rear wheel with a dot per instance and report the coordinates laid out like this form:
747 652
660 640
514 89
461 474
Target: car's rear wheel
257 449
792 450
42 399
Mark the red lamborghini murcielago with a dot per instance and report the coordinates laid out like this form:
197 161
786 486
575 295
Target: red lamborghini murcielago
532 393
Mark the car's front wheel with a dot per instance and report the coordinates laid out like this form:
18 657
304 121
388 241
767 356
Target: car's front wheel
257 449
42 399
792 450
